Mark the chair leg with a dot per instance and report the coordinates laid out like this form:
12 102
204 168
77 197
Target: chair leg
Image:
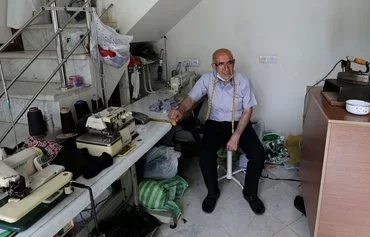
229 170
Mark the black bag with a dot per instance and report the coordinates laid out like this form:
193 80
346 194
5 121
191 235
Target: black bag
129 223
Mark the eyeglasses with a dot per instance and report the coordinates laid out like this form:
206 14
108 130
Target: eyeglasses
223 64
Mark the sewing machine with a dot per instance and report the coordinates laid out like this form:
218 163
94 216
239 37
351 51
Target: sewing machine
28 180
182 83
108 131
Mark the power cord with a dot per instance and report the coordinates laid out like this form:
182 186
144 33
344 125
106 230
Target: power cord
99 203
294 180
125 203
92 203
318 82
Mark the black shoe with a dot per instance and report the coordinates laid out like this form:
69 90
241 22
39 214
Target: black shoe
256 204
299 204
209 203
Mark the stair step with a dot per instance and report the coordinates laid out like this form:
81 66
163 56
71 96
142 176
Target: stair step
52 91
21 131
50 100
36 36
42 67
28 54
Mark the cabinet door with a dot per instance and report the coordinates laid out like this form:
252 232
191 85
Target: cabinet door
313 148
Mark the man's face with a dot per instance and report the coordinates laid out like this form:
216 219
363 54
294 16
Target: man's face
224 64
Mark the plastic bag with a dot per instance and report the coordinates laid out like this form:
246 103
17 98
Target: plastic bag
109 46
274 145
161 163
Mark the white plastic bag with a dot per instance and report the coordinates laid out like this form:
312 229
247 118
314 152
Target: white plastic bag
161 163
109 46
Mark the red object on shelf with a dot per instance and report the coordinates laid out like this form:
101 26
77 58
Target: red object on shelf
134 62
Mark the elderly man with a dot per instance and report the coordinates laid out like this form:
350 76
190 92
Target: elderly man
230 106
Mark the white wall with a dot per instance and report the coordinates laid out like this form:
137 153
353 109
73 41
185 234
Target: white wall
308 37
5 32
126 12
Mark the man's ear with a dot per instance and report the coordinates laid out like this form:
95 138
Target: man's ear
213 66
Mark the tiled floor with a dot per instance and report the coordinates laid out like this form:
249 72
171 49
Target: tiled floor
233 216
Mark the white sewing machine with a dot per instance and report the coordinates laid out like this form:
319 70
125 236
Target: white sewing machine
183 83
28 180
109 131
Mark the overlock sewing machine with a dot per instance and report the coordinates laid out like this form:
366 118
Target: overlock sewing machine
109 131
28 180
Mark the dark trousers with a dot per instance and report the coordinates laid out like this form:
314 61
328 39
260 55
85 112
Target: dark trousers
216 135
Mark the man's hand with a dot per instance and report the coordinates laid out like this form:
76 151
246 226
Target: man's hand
175 115
232 144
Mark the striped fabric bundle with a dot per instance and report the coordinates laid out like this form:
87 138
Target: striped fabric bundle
162 195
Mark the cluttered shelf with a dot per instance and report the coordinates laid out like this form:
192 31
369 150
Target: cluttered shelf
78 200
149 134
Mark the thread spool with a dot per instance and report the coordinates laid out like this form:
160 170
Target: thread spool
49 122
96 103
68 124
82 109
36 122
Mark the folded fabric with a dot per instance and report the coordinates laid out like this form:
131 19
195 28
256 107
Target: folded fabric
52 148
72 158
95 164
164 105
162 195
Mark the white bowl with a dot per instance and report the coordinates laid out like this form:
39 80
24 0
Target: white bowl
358 107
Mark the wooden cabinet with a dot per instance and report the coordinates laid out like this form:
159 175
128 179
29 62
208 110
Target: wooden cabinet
335 169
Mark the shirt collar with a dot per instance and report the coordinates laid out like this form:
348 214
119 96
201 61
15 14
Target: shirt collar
221 80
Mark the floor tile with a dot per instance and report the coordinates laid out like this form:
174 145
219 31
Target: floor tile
232 215
264 225
286 233
301 227
279 201
201 231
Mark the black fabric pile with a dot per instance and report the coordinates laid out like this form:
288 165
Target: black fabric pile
80 162
129 223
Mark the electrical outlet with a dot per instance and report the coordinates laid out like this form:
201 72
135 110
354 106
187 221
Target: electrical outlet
190 62
268 59
195 62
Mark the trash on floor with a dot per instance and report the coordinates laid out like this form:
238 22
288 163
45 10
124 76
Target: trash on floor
293 144
275 148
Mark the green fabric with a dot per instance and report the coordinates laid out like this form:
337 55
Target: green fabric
5 233
162 195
